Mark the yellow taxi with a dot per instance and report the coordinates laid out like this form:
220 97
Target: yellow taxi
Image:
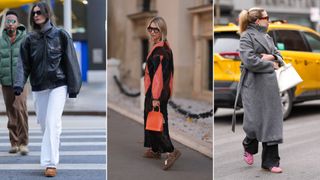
298 45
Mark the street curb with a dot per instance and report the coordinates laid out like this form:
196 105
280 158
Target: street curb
176 136
70 113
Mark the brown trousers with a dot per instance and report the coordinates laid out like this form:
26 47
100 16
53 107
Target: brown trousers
16 108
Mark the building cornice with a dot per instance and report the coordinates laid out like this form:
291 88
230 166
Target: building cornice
201 9
142 15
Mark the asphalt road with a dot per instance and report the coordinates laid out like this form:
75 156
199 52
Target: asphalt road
299 153
82 151
125 161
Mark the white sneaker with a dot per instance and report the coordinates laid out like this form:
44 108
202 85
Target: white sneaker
14 149
23 150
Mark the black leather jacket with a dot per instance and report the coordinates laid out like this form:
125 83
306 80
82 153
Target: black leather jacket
50 60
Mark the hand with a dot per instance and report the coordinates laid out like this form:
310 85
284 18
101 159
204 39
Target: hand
275 65
267 57
155 103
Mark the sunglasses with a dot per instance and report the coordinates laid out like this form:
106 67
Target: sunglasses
36 13
265 18
155 30
11 21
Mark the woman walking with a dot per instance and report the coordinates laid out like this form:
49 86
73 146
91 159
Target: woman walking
259 89
158 82
47 54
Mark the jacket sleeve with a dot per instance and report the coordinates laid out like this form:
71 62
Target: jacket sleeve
71 64
1 39
250 59
162 74
23 65
278 56
157 81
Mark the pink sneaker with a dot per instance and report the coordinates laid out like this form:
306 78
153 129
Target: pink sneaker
275 170
248 158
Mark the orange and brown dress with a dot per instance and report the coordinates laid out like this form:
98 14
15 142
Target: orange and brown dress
158 80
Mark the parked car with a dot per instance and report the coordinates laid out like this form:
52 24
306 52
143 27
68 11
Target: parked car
298 45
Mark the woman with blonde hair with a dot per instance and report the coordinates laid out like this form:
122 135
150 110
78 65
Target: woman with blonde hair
158 80
261 101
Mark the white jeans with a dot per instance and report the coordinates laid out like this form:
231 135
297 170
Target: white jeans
49 106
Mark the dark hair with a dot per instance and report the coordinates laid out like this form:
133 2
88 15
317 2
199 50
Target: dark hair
45 10
12 12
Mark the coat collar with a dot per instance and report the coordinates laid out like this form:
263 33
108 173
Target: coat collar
50 33
21 30
46 27
259 36
159 44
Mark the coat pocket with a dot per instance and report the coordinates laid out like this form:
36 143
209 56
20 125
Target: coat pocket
54 69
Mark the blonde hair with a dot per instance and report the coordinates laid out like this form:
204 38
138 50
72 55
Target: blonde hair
249 16
161 24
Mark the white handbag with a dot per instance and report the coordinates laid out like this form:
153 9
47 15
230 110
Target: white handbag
287 77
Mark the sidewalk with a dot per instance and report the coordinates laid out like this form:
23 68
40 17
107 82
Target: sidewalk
196 134
90 101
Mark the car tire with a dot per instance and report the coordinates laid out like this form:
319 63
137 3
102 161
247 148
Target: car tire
286 101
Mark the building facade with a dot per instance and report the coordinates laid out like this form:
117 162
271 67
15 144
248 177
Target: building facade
189 24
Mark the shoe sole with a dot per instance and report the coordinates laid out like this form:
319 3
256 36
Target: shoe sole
169 165
269 170
151 157
24 153
13 152
49 175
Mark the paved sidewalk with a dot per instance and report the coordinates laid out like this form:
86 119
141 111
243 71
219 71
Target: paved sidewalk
299 152
196 134
90 101
125 161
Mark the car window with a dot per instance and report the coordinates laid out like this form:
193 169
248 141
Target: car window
289 40
313 40
271 34
226 42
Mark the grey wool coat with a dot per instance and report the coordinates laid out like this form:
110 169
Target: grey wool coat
263 118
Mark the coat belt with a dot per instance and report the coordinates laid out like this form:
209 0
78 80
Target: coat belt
239 87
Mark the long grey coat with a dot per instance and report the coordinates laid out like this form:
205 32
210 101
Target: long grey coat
261 101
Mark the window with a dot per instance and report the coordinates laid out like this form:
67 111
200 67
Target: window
146 5
210 65
290 40
272 35
314 41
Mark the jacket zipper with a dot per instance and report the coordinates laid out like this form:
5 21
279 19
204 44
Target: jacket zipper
46 58
11 63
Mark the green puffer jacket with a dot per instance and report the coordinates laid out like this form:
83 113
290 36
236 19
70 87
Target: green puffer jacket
9 54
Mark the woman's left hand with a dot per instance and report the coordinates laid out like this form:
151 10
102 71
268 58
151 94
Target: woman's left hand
155 103
275 65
